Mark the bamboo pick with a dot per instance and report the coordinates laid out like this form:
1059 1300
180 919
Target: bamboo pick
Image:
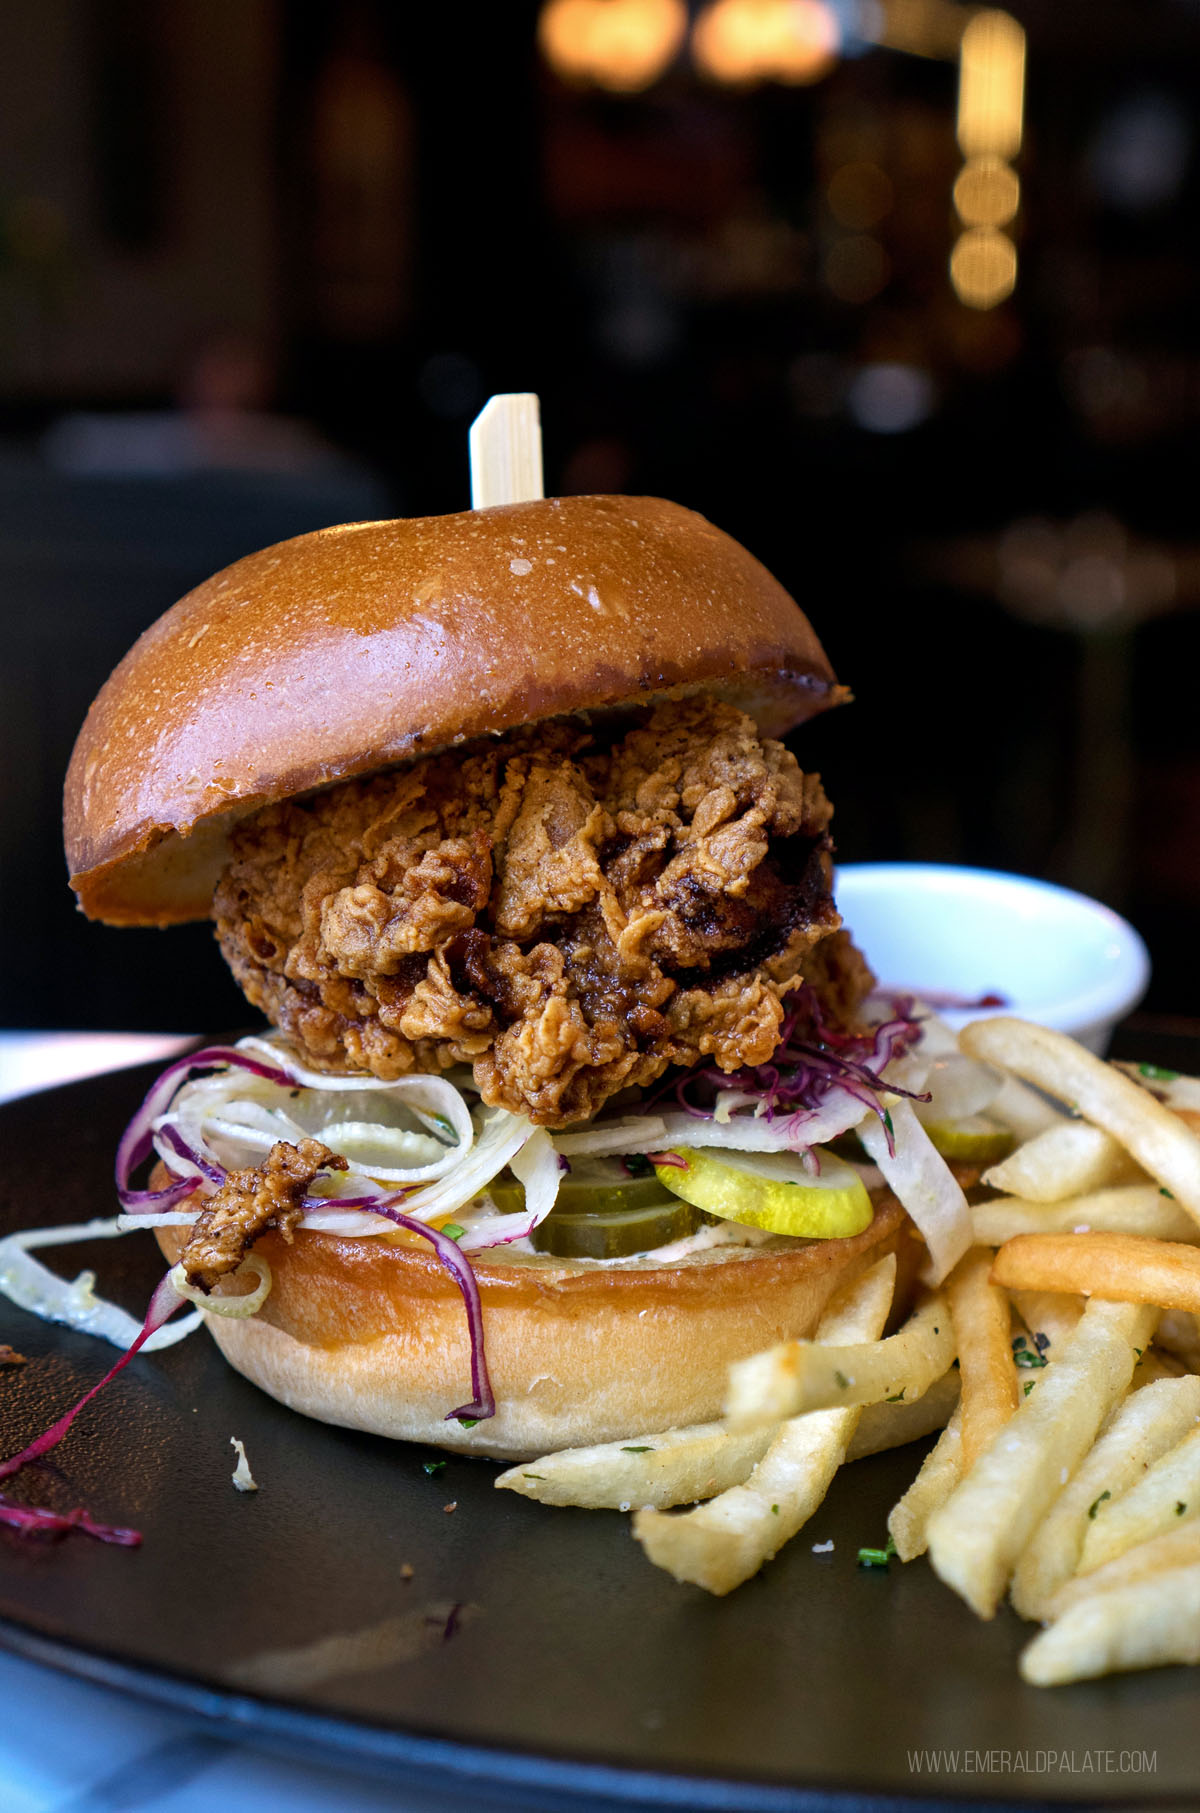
506 451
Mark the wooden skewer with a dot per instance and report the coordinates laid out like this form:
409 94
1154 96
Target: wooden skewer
506 451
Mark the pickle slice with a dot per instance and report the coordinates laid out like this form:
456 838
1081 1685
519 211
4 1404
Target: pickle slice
977 1139
617 1233
773 1191
602 1212
594 1186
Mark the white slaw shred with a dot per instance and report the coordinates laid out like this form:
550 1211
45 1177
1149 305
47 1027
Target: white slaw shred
243 1479
236 1308
441 1164
33 1287
920 1178
535 1166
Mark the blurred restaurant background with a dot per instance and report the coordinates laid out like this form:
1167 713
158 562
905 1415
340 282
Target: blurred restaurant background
904 294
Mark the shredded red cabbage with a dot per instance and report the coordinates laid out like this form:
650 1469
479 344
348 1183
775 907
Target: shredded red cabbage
804 1068
137 1141
671 1159
31 1521
458 1265
215 1173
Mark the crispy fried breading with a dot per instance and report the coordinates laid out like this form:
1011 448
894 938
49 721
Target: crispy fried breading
249 1202
566 914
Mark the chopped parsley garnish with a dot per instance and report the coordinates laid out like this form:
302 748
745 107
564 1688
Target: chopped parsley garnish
887 1121
453 1231
775 1510
533 1476
1027 1358
637 1164
896 1397
432 1467
842 1382
876 1557
1180 1506
637 1451
1097 1502
1019 1341
467 1422
1157 1074
1163 1191
1030 1383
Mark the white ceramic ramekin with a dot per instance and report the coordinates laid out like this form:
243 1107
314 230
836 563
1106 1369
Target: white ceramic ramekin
1053 955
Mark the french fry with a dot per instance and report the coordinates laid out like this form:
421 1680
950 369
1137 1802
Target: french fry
1128 1209
799 1376
1125 1268
720 1544
1174 1548
1149 1132
940 1473
677 1467
981 1319
1023 1110
977 1536
1053 1315
1167 1492
1069 1159
1152 1621
883 1426
1145 1426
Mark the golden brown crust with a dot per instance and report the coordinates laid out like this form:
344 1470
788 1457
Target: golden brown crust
567 916
350 650
371 1335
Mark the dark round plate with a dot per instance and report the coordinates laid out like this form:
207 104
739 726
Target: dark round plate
532 1650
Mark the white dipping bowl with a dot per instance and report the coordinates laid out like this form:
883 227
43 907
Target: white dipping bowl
1053 955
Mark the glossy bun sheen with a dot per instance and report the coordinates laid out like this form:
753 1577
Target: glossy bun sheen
372 1335
346 651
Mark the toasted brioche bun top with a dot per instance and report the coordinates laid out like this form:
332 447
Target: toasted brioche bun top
339 653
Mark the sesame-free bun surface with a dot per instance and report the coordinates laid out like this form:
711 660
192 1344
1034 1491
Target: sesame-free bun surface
349 650
371 1335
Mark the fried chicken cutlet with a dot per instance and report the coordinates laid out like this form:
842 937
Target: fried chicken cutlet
568 910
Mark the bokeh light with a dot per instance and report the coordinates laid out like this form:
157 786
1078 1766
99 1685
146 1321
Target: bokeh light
743 42
623 45
987 193
991 123
991 86
983 267
890 398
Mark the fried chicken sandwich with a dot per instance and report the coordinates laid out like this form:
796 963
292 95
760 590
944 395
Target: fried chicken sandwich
493 821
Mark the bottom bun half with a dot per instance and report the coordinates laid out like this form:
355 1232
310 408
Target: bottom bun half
371 1334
